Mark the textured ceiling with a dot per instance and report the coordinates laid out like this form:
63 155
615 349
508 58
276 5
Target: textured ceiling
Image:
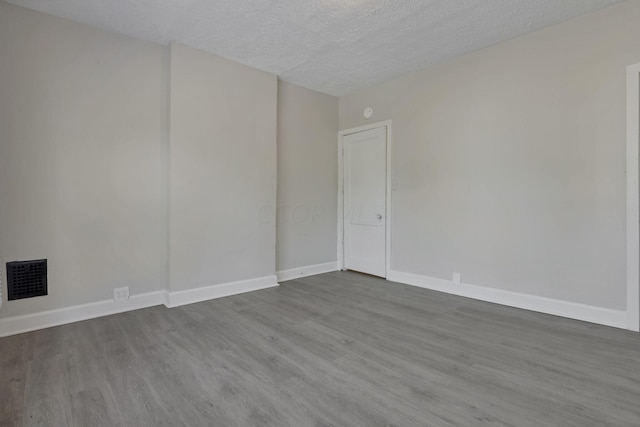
332 46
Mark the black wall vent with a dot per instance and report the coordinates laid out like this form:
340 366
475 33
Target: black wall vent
26 279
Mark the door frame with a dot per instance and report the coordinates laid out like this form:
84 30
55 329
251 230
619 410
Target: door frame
633 198
389 189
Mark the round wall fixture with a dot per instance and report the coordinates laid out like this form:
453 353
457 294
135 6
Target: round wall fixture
368 112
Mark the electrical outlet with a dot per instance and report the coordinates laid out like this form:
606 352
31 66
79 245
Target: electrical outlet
456 279
121 294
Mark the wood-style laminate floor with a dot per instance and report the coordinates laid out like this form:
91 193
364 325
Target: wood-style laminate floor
340 349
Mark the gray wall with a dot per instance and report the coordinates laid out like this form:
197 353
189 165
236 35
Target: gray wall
307 177
223 170
82 158
85 179
510 162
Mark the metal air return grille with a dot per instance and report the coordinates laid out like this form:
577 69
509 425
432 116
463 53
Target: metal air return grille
26 279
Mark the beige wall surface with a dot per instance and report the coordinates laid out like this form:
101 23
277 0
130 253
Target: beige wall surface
222 172
82 159
510 162
307 177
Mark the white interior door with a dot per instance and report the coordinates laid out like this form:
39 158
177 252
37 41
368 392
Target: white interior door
365 196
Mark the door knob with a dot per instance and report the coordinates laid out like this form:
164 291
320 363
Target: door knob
379 216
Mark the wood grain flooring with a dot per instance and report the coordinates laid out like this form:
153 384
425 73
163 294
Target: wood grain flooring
339 349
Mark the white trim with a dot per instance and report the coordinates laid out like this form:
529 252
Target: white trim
571 310
341 135
46 319
176 299
633 202
389 200
309 270
340 249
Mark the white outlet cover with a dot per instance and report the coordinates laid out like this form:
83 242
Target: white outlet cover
121 294
457 278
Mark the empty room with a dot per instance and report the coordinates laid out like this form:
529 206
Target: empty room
319 213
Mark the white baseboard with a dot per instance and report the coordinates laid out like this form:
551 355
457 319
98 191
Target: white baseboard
176 299
309 270
46 319
571 310
31 322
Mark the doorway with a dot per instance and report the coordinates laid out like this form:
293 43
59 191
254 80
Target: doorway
365 199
